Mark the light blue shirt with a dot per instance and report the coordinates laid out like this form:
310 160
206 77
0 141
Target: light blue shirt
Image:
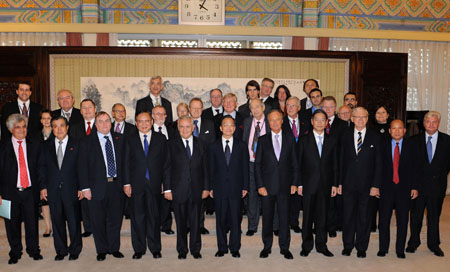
233 114
433 141
102 144
314 108
393 144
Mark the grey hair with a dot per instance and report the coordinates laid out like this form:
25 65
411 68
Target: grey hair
156 77
14 119
294 98
187 117
431 114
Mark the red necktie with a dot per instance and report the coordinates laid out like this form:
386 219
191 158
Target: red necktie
396 162
327 128
24 183
88 131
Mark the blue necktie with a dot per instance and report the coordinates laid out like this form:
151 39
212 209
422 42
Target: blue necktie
430 149
188 149
147 174
227 152
319 145
196 132
110 158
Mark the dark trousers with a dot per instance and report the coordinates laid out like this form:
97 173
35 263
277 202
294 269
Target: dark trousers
433 204
85 215
332 215
165 213
269 203
106 219
253 200
339 201
228 215
65 213
26 209
315 209
145 221
400 201
375 207
294 209
356 229
188 213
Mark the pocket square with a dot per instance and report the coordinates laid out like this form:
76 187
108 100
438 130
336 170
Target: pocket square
207 132
371 146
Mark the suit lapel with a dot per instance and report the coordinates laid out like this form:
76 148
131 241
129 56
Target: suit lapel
437 151
53 156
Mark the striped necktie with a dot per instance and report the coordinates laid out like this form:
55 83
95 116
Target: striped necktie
359 143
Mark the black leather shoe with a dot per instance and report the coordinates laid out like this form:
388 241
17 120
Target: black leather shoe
181 256
332 234
438 252
196 255
168 231
381 253
326 253
59 257
304 253
117 254
46 235
411 249
204 230
37 257
296 229
137 256
209 212
73 257
361 254
235 254
13 260
346 252
86 234
220 253
250 232
264 253
276 232
101 257
157 255
287 254
401 255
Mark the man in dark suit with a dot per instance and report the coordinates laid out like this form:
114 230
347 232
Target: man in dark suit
78 131
345 113
61 189
203 129
252 91
317 158
316 97
154 99
215 96
228 168
21 177
267 85
276 172
308 85
67 110
187 186
229 108
119 113
350 100
24 106
433 165
360 178
254 127
397 188
100 170
147 165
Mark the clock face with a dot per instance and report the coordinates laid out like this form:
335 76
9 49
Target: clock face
201 12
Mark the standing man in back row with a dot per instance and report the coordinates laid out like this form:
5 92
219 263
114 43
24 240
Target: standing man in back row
154 99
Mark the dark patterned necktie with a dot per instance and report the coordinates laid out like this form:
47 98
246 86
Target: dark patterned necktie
255 139
110 158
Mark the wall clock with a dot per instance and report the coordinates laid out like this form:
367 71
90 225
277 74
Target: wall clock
201 12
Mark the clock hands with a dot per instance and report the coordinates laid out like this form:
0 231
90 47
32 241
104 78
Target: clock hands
202 5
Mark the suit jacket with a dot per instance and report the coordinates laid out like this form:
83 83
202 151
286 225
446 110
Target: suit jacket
271 102
171 131
363 171
208 114
318 173
75 117
65 178
338 127
136 163
128 130
304 126
238 121
188 178
276 176
91 164
244 110
78 130
207 131
34 119
433 176
303 104
228 181
9 169
146 104
406 169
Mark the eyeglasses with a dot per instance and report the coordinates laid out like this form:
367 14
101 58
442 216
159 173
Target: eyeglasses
360 117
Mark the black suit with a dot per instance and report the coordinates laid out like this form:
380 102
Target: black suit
208 114
207 131
358 174
146 193
303 104
34 118
396 196
75 116
270 102
128 130
317 175
238 121
62 193
24 204
105 206
227 183
277 177
188 179
146 105
432 178
78 130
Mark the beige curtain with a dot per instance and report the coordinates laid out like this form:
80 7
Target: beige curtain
32 39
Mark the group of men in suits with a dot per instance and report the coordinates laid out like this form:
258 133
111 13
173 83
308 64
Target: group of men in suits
309 158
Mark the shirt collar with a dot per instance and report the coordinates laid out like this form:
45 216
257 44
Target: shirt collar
434 134
141 134
64 141
399 142
317 135
20 102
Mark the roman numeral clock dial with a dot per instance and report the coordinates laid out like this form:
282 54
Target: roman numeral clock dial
201 12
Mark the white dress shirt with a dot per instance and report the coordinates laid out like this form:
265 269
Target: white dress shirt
86 124
214 110
121 126
163 130
64 113
297 123
103 144
191 143
331 120
230 144
233 114
434 139
21 103
356 136
141 136
16 151
154 99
